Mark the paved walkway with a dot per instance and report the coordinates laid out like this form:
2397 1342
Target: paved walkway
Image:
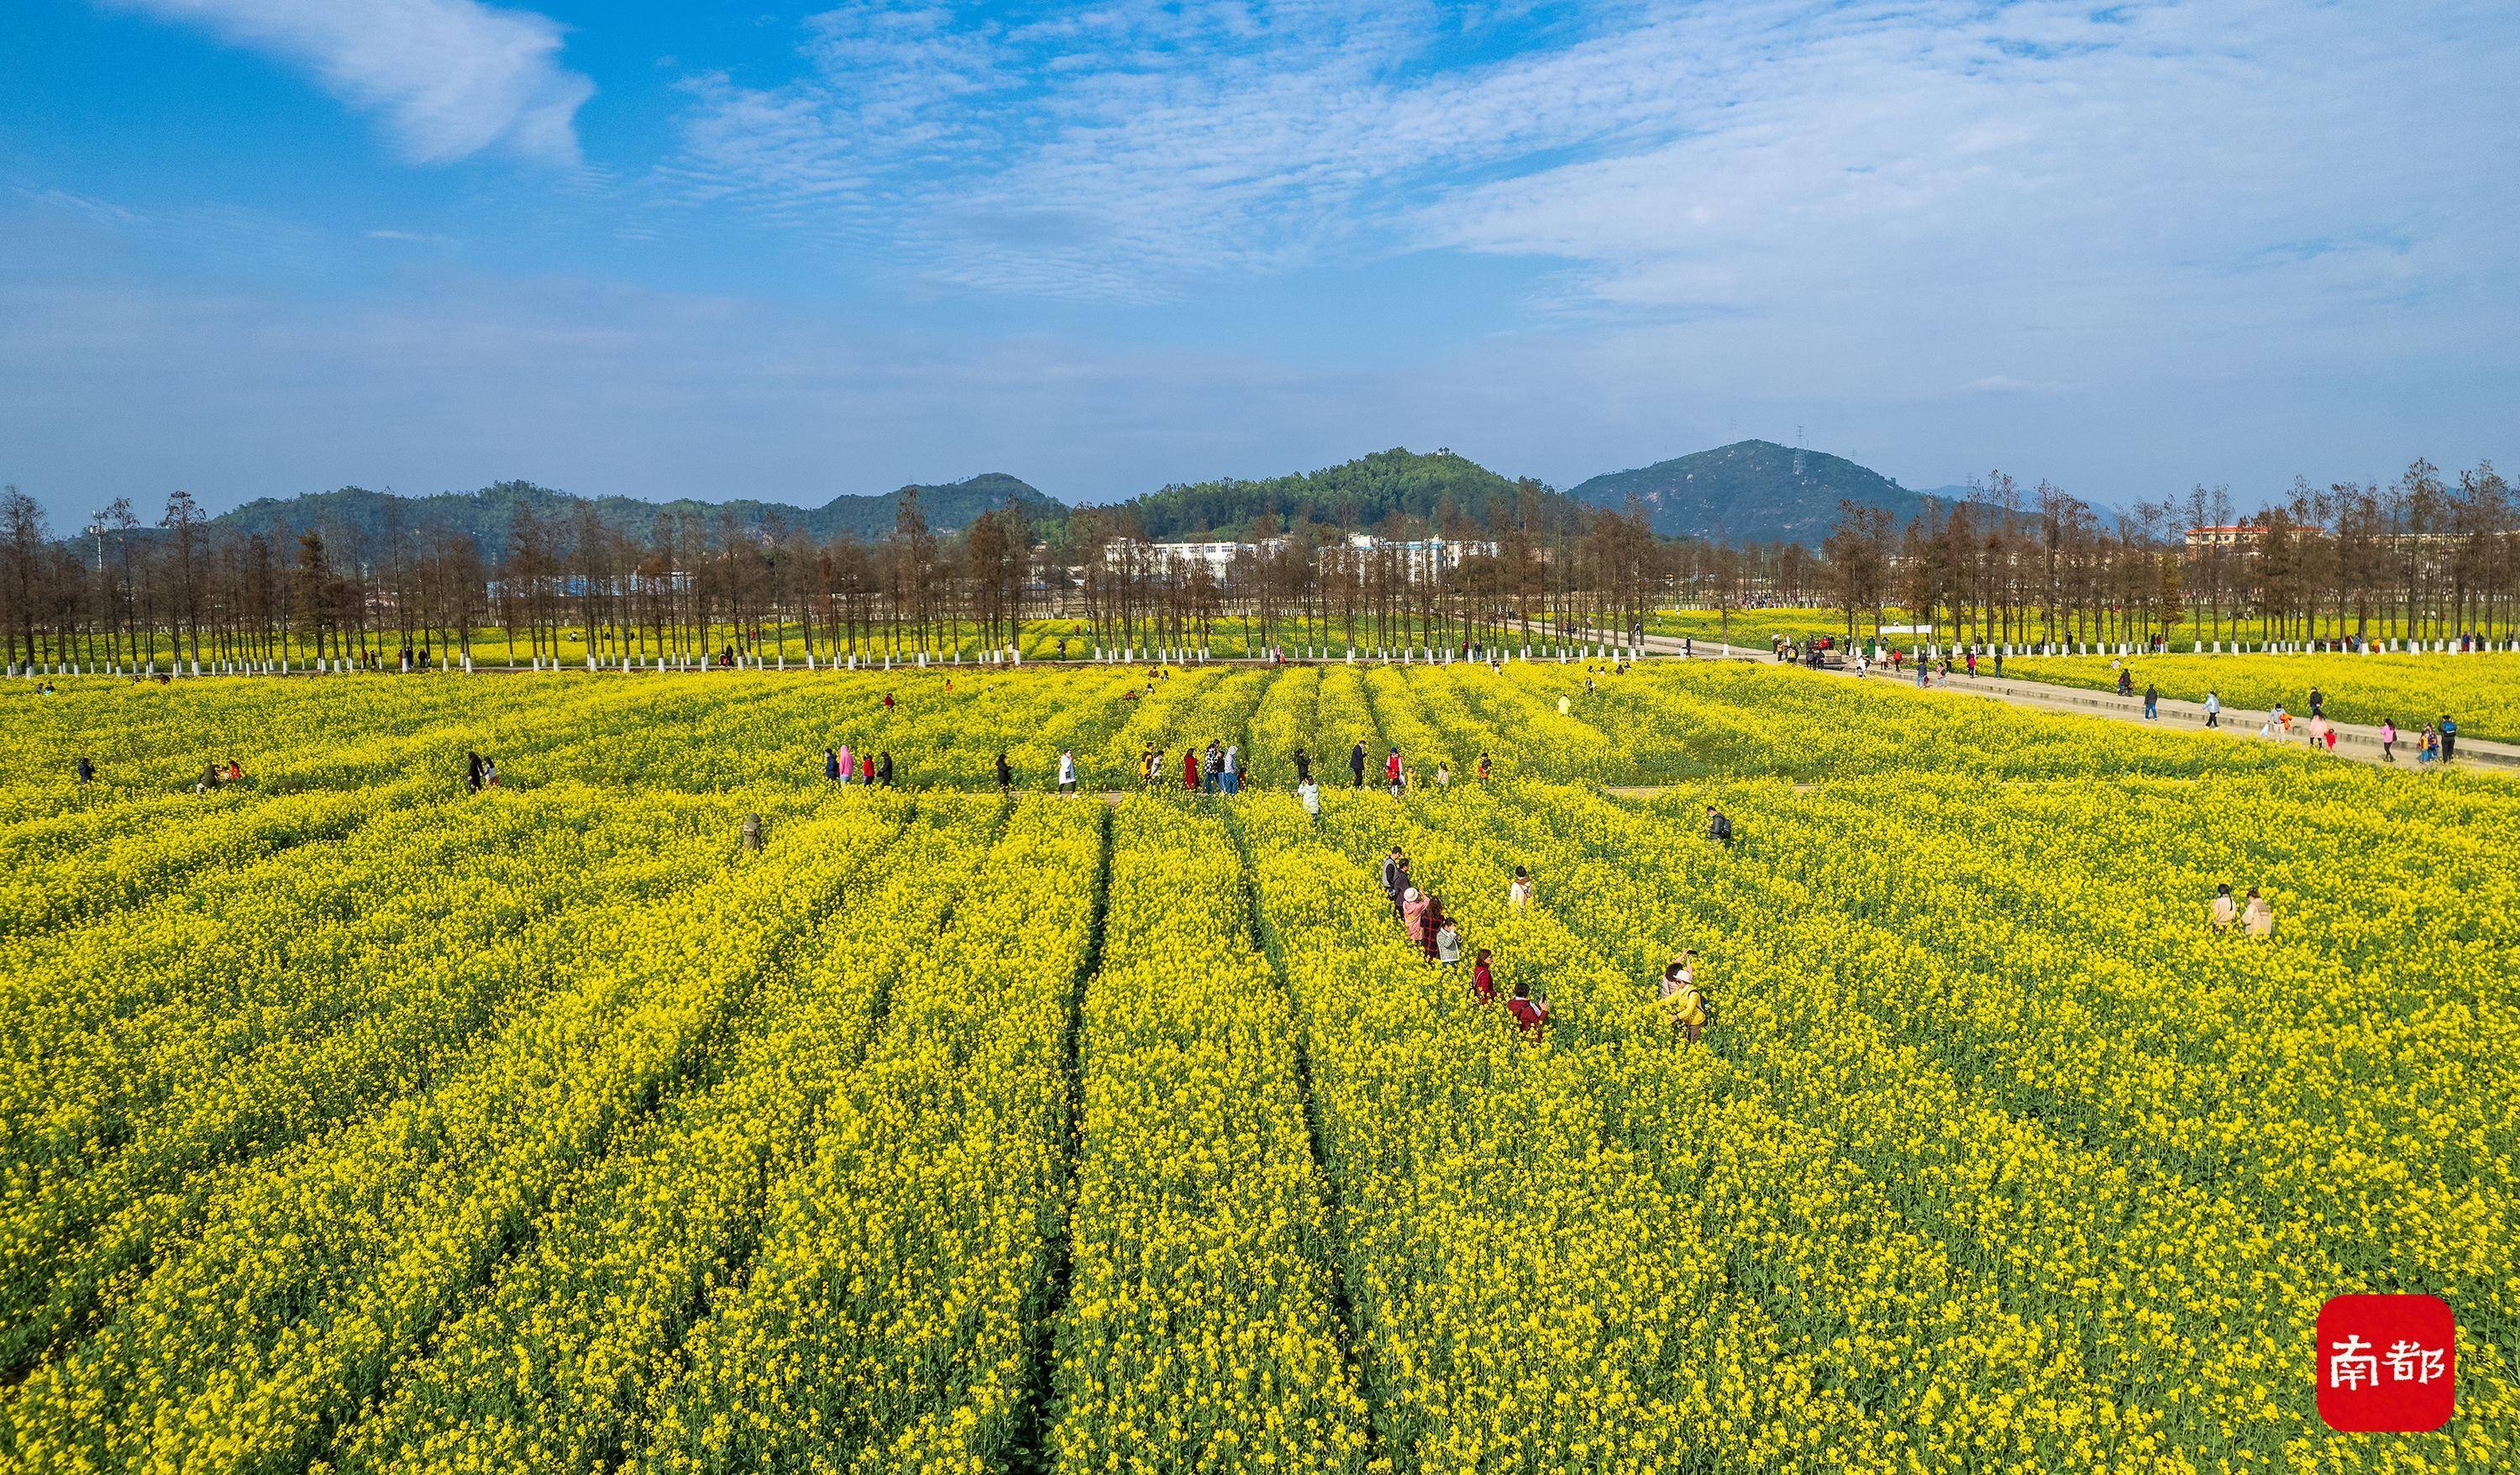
2353 740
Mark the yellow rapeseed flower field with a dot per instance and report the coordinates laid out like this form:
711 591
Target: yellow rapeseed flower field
669 1106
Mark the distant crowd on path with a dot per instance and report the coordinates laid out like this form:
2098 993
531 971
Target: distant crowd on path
2438 743
1431 926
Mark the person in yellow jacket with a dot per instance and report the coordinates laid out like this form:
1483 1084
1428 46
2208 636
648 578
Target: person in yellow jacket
1681 996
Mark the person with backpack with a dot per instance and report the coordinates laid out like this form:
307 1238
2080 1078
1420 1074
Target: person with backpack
1530 1015
1681 994
1719 827
1517 895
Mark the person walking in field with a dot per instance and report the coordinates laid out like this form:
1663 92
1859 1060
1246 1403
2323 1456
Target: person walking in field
866 769
1356 762
1447 945
2258 918
883 770
2152 703
2225 912
86 769
472 772
1212 766
1393 773
1483 768
1413 917
1482 979
1232 772
1530 1015
1303 761
1395 876
1190 769
1719 827
1066 770
1443 776
831 765
846 764
2317 703
1681 996
1006 773
2388 740
1309 794
888 701
2448 738
2213 709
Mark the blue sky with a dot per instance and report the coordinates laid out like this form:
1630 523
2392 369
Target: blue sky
258 248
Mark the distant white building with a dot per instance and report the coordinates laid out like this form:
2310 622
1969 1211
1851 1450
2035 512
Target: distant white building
1425 552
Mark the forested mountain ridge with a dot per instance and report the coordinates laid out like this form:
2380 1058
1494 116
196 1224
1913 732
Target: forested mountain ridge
1752 491
488 515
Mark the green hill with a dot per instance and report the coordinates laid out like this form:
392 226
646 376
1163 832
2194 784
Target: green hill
487 514
1358 494
1752 491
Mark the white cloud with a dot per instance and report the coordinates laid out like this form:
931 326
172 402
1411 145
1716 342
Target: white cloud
449 78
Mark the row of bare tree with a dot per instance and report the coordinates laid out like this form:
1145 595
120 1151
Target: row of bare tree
2424 556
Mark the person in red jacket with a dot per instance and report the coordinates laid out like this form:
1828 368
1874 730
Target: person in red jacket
1190 769
1392 773
1482 981
1530 1015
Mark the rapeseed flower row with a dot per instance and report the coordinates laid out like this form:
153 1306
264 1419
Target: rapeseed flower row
2141 1274
894 1315
310 1276
1198 1332
555 1367
229 1025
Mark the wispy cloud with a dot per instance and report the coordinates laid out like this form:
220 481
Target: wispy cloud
1679 157
449 78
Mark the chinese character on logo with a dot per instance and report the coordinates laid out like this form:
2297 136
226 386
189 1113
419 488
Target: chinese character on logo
2410 1387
